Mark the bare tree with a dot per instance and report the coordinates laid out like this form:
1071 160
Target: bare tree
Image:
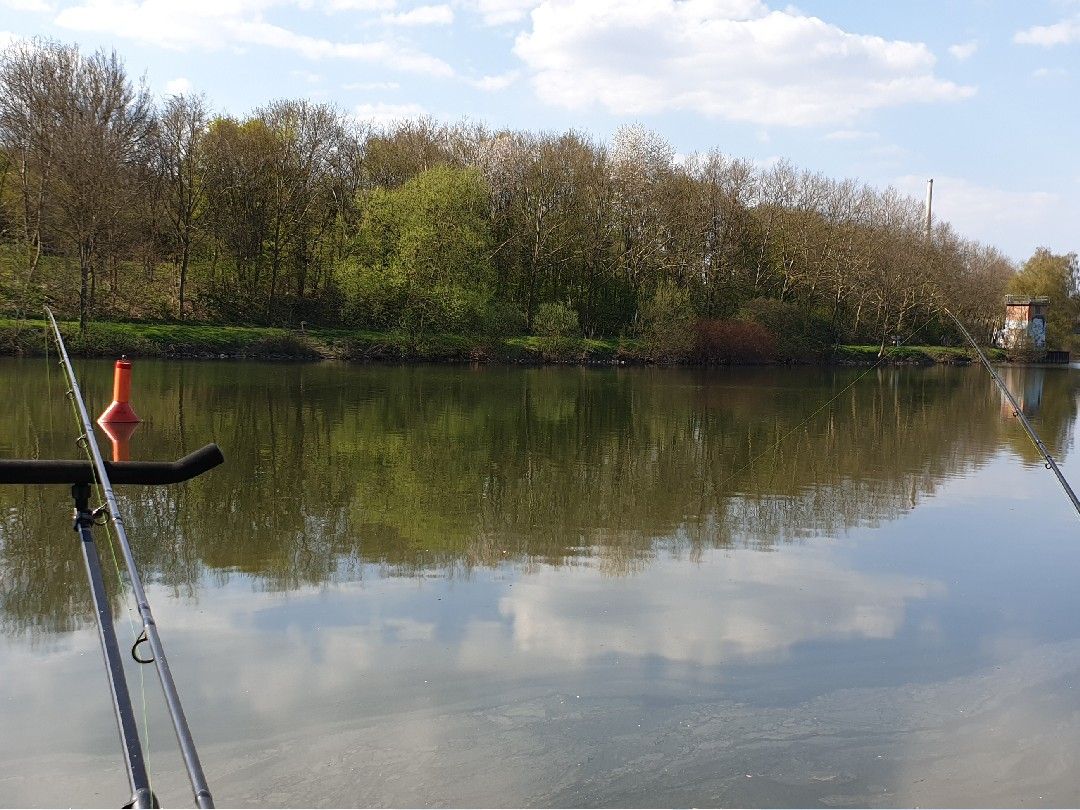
82 127
181 130
32 76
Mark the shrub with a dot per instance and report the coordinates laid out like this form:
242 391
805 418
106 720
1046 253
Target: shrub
556 320
798 334
503 319
1023 350
282 344
667 322
733 341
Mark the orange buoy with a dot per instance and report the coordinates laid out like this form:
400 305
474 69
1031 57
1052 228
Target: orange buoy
120 410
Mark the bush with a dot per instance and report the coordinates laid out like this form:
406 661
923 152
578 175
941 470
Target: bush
667 322
1023 350
503 319
798 333
733 341
373 298
555 320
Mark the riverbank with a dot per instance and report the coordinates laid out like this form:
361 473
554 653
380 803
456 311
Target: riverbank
242 342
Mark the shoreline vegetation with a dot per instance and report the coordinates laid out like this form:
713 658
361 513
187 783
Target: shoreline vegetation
329 237
208 342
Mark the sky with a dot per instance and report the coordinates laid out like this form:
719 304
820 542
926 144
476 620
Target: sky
978 94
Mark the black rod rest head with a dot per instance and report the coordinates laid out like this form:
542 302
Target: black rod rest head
145 473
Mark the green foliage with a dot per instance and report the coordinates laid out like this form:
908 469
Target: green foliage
799 335
1057 276
915 355
160 340
503 319
289 215
556 320
667 322
559 331
420 259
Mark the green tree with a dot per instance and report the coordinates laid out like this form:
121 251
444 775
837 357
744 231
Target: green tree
1057 276
667 321
422 258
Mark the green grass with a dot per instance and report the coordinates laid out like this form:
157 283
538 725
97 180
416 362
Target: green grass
915 355
110 339
158 340
107 339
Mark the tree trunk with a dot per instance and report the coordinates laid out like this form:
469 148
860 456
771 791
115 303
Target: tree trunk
185 255
85 293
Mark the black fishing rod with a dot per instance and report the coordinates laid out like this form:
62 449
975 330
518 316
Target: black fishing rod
81 475
1018 412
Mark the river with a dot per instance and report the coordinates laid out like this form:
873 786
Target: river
476 586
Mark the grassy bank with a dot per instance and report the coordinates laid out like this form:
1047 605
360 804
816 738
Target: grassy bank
199 341
915 355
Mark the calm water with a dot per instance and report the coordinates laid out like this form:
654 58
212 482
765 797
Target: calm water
457 586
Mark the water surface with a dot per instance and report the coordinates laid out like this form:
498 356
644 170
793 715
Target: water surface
501 586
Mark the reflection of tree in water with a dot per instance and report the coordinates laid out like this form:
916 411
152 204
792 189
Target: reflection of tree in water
442 469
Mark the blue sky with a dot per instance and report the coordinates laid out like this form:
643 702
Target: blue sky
978 94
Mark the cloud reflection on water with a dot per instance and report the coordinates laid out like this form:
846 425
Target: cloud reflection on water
738 606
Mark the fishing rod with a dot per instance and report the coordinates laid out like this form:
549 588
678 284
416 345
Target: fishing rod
81 475
1018 412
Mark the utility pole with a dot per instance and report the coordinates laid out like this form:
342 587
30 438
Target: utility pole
929 204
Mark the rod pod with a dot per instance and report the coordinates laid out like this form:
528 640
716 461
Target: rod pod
111 511
138 779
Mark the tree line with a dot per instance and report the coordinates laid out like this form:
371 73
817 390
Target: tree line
116 205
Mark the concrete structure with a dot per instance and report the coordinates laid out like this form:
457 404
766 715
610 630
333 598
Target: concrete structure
1025 322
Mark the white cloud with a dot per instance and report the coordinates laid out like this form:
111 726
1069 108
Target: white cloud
422 15
306 76
215 24
382 114
963 50
178 86
492 83
733 59
370 86
1016 221
39 6
850 135
501 12
361 5
1060 33
1048 73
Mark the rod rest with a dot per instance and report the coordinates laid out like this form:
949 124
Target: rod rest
149 473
